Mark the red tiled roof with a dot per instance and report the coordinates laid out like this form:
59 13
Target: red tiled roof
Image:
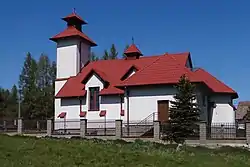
132 49
213 83
162 69
72 88
74 16
111 90
71 31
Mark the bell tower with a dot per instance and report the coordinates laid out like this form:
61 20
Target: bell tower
73 47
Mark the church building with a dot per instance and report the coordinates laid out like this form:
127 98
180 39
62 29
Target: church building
133 89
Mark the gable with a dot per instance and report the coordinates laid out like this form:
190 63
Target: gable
94 81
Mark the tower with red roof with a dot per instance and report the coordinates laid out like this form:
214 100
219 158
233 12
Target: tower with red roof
73 47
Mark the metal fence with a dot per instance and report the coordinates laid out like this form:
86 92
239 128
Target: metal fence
34 126
101 128
9 125
66 127
165 131
226 131
136 130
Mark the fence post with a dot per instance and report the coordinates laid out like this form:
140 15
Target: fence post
49 127
83 128
37 125
19 126
248 131
203 132
5 125
156 130
118 129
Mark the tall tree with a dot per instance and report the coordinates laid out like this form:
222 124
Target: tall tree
123 55
43 72
93 57
28 87
184 112
12 104
113 52
105 55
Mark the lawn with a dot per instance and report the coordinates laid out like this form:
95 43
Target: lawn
32 152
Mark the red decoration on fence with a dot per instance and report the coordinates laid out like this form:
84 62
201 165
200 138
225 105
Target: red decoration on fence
83 113
103 113
122 113
62 115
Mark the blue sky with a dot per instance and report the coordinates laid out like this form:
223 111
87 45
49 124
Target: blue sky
217 33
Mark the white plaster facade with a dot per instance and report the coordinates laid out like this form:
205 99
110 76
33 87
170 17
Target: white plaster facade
142 103
69 59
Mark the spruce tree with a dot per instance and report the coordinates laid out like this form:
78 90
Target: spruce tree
28 87
106 55
113 52
93 57
184 112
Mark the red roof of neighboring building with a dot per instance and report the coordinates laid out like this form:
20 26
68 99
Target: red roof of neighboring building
71 31
151 70
132 49
74 16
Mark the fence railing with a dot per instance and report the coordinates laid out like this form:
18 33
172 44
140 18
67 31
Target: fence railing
133 129
165 131
66 127
34 126
101 128
226 131
8 125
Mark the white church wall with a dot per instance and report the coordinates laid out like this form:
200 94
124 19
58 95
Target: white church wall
143 101
223 112
67 58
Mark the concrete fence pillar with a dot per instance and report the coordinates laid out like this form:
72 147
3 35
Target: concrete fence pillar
49 127
37 125
83 128
118 129
248 131
19 126
203 132
5 125
157 130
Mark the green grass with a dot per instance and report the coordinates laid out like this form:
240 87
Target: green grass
32 152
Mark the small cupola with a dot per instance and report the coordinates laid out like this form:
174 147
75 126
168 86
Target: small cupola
74 20
132 52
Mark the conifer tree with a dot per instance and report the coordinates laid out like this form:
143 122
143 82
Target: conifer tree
113 52
184 112
93 57
28 86
106 55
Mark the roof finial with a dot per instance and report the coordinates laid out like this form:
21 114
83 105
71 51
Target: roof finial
133 41
74 10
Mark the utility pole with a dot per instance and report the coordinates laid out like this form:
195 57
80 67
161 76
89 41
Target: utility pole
19 104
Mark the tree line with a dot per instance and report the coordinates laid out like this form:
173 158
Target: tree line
35 87
35 90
